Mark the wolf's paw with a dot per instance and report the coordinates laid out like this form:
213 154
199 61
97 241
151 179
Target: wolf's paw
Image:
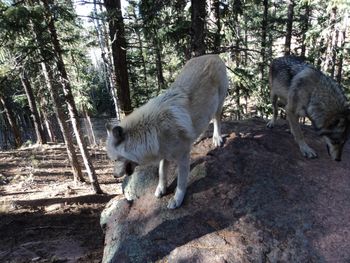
270 124
160 191
173 204
217 141
308 152
177 199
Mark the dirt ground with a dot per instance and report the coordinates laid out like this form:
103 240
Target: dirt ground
44 215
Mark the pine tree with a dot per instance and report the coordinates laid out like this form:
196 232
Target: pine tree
116 33
40 136
198 18
64 81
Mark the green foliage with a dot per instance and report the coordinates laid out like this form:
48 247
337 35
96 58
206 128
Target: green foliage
240 33
16 18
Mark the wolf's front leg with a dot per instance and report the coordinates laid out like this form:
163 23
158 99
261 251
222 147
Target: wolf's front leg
271 123
305 149
217 138
162 183
183 165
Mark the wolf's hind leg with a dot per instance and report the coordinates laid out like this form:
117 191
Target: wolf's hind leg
162 183
183 165
305 149
217 138
271 123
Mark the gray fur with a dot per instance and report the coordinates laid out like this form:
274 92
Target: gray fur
164 129
307 92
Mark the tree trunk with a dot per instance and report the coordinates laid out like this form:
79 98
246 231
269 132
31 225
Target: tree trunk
11 120
117 36
264 30
64 81
40 136
48 127
246 45
142 57
4 132
237 86
43 105
106 58
111 72
89 128
217 37
334 43
321 51
159 65
61 118
290 15
341 56
305 28
334 53
326 49
198 15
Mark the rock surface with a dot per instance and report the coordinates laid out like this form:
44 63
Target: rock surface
254 200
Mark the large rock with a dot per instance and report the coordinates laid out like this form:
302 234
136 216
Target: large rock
254 200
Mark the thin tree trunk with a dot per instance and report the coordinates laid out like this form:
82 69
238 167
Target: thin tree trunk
290 15
40 136
70 100
11 120
334 43
48 127
264 30
321 51
140 43
217 37
106 58
327 50
305 28
4 131
238 87
111 71
26 124
334 53
246 40
143 62
43 102
89 128
341 56
198 15
61 118
117 35
159 65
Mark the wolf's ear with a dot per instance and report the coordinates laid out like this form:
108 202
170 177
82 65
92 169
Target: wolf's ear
118 134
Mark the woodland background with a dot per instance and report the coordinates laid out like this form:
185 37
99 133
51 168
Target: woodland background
52 81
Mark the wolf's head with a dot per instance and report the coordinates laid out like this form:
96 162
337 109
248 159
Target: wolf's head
336 134
115 151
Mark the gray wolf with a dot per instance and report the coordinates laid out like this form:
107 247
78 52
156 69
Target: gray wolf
164 129
307 92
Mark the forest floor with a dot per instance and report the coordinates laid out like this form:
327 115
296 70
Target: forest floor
44 215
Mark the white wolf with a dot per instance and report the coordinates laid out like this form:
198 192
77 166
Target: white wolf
164 129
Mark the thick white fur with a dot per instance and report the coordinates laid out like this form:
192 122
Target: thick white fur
164 129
